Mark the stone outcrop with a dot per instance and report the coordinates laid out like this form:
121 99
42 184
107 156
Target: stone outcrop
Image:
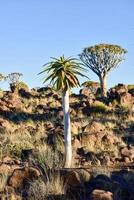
128 154
122 95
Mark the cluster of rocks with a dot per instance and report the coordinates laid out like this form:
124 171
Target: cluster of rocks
123 95
93 143
78 183
100 147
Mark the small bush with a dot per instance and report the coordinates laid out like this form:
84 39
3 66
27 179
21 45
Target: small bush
22 85
48 158
115 103
125 108
130 87
99 107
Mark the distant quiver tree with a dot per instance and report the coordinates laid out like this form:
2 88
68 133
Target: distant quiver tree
62 73
101 59
13 79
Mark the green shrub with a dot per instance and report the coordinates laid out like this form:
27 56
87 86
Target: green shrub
125 108
115 103
130 87
99 107
22 85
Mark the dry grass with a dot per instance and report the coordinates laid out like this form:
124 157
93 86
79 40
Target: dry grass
19 142
53 189
49 158
3 181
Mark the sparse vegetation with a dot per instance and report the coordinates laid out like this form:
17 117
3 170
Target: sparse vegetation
99 107
3 181
32 138
53 189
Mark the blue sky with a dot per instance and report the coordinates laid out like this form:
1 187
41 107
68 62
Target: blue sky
32 31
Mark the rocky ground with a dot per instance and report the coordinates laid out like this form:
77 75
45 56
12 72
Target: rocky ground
24 181
32 144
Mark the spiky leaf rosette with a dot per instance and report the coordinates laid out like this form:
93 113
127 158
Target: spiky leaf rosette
63 72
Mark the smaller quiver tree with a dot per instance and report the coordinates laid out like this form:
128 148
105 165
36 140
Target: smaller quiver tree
101 59
13 79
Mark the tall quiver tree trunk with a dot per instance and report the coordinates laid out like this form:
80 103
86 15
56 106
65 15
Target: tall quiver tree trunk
67 130
103 83
62 73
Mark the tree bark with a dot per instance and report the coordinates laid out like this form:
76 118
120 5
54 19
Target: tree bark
103 83
67 130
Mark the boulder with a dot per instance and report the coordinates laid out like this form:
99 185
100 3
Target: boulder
101 182
5 168
128 152
110 138
76 144
118 90
75 127
73 180
13 101
76 181
7 160
106 161
94 127
93 139
20 177
101 194
85 91
126 99
121 94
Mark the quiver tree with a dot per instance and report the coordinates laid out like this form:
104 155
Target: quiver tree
101 59
13 79
62 73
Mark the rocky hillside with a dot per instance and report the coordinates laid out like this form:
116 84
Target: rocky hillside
32 142
102 129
